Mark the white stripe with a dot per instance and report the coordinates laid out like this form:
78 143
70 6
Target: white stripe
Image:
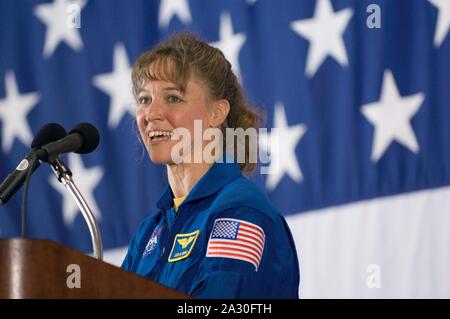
406 235
226 241
256 242
244 232
252 233
218 251
252 227
250 250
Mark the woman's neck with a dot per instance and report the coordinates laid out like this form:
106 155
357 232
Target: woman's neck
183 177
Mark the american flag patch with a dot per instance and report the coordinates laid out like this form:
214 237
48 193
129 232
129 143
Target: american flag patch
236 239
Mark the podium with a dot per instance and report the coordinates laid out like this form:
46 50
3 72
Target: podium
31 268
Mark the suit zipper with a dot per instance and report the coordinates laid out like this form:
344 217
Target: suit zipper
168 231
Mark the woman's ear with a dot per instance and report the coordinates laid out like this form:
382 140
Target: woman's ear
220 110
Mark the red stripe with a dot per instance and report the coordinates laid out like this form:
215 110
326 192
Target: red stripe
236 256
254 242
238 242
228 248
254 228
256 231
257 244
250 232
250 225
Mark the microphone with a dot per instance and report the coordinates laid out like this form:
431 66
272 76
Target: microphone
47 134
82 139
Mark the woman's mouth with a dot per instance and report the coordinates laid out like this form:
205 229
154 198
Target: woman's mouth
158 137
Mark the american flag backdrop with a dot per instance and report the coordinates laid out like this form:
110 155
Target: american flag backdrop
358 89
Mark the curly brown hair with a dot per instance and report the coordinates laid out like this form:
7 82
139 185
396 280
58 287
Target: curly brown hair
184 54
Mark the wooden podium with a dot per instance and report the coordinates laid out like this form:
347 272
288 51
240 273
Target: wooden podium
32 268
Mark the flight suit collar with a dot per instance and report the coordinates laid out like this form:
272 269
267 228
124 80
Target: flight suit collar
219 175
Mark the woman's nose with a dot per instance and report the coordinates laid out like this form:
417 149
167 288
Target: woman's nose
154 111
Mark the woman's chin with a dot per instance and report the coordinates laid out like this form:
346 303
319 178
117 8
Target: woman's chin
158 159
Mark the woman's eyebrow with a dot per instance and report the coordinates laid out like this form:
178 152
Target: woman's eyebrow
171 88
143 90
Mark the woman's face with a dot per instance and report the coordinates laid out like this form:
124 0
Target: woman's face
163 108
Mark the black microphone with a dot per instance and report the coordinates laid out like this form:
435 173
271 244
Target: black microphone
12 183
84 138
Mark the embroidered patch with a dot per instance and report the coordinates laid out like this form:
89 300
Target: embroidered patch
153 241
236 239
182 245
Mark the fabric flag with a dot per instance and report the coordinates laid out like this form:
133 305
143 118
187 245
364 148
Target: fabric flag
358 91
236 239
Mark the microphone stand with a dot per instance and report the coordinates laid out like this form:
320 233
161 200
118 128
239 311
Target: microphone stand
64 176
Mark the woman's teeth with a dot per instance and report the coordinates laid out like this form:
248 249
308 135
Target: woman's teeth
154 134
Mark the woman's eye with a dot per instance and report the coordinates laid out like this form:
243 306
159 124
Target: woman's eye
144 100
173 99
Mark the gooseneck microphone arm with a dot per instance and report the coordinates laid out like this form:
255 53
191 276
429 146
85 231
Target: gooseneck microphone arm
50 142
64 176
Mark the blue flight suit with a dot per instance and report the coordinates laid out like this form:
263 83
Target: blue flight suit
170 247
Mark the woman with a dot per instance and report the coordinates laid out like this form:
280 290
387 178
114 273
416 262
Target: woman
215 234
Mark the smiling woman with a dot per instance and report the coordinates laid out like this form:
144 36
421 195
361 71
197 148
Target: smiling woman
201 85
163 108
215 234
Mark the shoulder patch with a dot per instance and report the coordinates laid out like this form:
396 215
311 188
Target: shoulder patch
236 239
153 241
182 245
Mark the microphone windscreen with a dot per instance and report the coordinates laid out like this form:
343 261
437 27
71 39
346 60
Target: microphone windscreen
90 136
48 133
